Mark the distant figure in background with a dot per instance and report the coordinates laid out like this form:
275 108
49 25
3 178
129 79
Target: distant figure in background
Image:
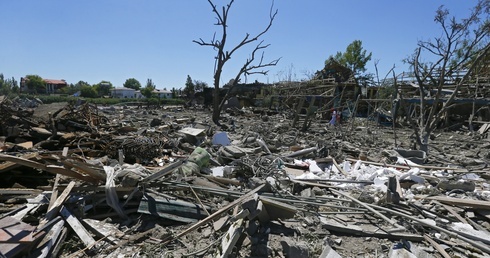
333 120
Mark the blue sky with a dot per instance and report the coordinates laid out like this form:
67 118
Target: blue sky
95 40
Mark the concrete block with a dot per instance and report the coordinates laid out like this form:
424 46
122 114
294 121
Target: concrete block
328 252
294 249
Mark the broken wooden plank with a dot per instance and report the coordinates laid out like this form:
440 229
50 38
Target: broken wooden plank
19 191
9 165
451 210
54 192
84 168
50 239
77 227
57 204
355 230
48 168
15 236
437 246
477 204
15 231
230 239
163 172
339 168
104 230
30 206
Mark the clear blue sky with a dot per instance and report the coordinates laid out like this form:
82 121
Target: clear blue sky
95 40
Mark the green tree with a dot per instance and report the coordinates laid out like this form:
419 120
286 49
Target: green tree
74 88
103 88
355 58
35 84
199 85
88 91
132 83
8 86
147 91
189 88
174 93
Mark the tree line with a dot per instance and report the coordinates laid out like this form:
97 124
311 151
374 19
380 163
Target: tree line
36 84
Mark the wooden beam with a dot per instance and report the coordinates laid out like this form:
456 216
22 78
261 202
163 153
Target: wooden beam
48 168
50 239
9 165
164 171
54 192
53 212
477 204
77 227
85 169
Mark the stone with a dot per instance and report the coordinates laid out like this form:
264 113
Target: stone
328 252
307 193
398 251
466 186
295 249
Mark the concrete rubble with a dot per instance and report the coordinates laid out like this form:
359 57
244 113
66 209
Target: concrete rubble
84 180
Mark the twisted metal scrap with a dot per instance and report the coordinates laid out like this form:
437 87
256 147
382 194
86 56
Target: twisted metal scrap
142 147
86 114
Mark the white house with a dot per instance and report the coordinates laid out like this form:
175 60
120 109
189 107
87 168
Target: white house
138 95
123 93
163 94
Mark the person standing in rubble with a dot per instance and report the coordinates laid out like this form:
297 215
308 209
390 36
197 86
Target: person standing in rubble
333 120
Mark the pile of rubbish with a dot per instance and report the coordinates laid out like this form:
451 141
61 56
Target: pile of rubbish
112 181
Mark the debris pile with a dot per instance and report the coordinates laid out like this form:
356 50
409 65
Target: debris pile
96 181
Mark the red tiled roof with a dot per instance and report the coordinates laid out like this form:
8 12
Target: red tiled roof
50 81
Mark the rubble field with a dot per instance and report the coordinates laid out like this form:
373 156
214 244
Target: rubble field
81 180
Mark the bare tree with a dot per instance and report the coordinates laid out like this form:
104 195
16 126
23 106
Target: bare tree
461 48
224 53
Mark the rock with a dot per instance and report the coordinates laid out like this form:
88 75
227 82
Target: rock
398 251
295 249
307 193
328 252
466 186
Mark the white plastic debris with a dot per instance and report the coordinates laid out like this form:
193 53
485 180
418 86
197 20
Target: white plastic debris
380 183
406 162
313 167
307 175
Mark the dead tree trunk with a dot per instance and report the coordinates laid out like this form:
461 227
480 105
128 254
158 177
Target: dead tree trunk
224 53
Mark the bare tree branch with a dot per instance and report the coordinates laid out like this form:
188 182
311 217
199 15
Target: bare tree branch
461 46
223 54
